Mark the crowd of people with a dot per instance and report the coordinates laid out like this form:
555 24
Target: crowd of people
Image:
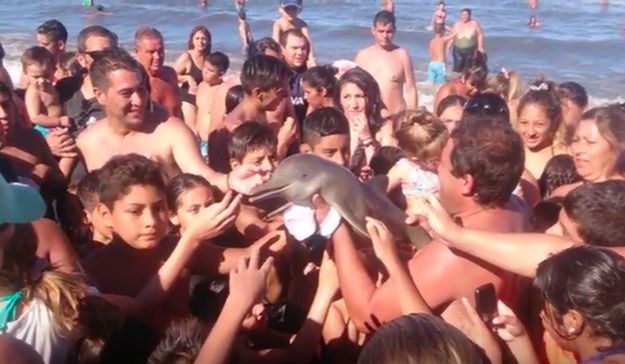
128 231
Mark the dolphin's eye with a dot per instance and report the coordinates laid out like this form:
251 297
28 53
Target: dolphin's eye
304 175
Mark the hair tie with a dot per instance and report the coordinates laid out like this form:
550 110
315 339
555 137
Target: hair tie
542 87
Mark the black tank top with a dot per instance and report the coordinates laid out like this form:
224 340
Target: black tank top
195 72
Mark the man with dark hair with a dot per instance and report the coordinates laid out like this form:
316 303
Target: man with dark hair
390 65
150 52
129 127
326 134
480 167
295 50
52 35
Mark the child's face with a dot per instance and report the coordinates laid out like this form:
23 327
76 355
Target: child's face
210 74
100 229
263 158
314 97
39 74
334 148
140 217
190 203
272 98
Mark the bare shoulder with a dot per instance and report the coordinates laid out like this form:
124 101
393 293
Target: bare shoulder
92 132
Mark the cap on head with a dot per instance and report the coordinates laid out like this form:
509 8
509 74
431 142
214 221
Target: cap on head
288 3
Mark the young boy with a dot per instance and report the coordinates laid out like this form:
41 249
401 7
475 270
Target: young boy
213 70
289 9
264 81
326 134
254 143
87 192
42 101
438 44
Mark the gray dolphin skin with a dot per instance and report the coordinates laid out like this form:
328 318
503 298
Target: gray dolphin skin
301 176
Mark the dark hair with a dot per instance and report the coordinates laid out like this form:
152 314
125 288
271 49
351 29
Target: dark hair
36 55
323 122
439 29
449 101
476 73
419 338
147 32
284 37
384 17
2 54
559 171
68 63
95 31
385 158
125 171
591 281
181 344
262 45
109 61
234 97
545 214
263 72
487 104
207 34
251 136
364 81
87 190
321 77
181 184
53 29
467 10
492 153
545 95
219 60
574 92
599 211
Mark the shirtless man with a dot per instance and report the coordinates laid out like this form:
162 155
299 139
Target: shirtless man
476 190
128 127
390 65
150 52
468 39
52 35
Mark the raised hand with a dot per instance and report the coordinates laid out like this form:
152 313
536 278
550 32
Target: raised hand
248 281
382 240
216 218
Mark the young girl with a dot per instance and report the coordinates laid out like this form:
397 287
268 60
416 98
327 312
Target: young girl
422 137
319 83
540 126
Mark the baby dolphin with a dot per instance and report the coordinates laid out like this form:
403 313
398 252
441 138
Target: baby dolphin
301 176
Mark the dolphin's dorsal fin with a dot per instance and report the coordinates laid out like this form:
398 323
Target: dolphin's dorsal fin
379 183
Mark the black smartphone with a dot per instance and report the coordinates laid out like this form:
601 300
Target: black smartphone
486 302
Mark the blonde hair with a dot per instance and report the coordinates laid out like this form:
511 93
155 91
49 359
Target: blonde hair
506 84
61 292
421 134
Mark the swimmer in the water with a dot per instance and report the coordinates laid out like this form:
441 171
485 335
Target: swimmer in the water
533 4
533 22
439 16
203 4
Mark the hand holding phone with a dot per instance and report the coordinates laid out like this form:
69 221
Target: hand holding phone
486 302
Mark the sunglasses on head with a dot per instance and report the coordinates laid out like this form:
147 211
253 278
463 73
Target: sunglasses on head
484 107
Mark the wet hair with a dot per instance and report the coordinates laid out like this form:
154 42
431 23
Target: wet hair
545 214
324 121
284 37
610 121
69 63
559 171
36 56
21 270
364 81
508 85
147 32
385 158
492 153
181 184
321 77
262 45
449 101
599 211
591 281
263 72
53 29
574 92
207 34
87 190
476 73
545 95
468 10
384 17
234 97
95 31
487 104
421 134
419 338
219 60
123 172
181 344
439 29
251 136
109 61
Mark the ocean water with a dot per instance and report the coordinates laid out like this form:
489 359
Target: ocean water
579 40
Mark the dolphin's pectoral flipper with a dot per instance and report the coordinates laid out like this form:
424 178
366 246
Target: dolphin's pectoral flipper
418 236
